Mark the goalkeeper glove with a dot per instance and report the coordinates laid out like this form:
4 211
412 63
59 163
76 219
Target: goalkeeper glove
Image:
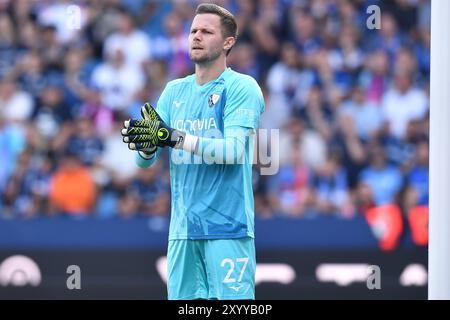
151 132
147 112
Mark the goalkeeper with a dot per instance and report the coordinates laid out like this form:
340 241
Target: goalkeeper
208 120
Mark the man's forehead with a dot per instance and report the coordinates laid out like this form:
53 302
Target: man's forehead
206 20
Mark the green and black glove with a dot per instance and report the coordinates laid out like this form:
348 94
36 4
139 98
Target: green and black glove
150 132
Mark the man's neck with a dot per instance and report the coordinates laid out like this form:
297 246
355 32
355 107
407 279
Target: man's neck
208 72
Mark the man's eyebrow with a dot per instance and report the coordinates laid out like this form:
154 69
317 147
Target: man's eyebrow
202 28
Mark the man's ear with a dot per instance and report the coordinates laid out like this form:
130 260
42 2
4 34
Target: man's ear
229 42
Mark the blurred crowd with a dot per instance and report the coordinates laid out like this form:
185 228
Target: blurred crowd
351 102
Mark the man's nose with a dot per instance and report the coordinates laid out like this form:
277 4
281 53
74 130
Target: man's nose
197 36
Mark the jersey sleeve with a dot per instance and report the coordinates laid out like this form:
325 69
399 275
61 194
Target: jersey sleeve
146 163
244 104
163 105
230 149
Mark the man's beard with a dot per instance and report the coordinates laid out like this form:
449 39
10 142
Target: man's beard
206 58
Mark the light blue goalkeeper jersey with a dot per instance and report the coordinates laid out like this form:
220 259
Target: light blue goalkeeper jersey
211 201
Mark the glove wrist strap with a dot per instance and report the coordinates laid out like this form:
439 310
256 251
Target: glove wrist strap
190 143
177 139
147 155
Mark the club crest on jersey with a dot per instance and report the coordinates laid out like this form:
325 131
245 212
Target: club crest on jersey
213 99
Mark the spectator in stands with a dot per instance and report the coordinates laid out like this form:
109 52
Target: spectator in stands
288 84
304 32
55 14
318 114
72 189
15 105
52 118
32 73
346 59
329 186
85 142
388 38
404 12
53 55
417 179
423 53
120 170
22 11
28 38
176 44
363 198
266 31
12 143
243 60
296 137
118 81
127 204
400 151
261 193
150 187
289 192
384 180
375 76
348 14
76 78
7 44
366 117
402 104
134 43
102 117
406 62
350 149
244 11
27 191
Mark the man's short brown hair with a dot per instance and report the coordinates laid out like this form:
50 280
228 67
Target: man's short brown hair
227 20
